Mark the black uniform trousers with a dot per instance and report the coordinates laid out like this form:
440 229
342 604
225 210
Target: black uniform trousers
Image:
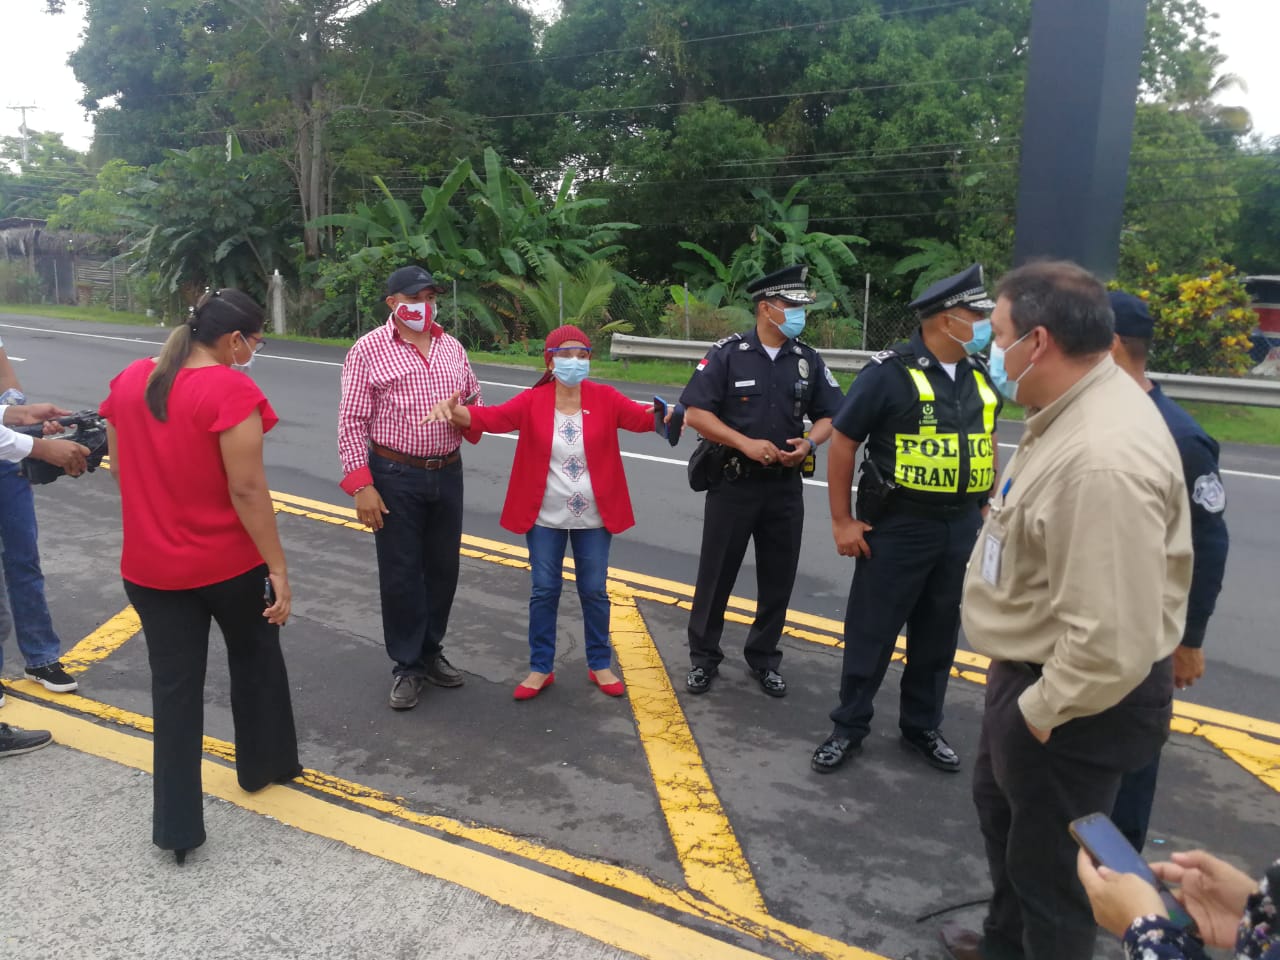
176 626
767 508
1026 794
914 576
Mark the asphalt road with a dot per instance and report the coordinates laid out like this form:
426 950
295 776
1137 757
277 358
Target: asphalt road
72 363
686 807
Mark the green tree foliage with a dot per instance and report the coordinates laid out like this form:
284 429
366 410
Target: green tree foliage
785 127
31 188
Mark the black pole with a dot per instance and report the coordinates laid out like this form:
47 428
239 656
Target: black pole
1077 131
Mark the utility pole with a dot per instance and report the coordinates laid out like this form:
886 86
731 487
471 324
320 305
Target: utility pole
26 158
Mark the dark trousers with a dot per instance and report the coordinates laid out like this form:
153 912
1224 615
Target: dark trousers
1132 810
417 558
769 510
176 626
1026 794
914 576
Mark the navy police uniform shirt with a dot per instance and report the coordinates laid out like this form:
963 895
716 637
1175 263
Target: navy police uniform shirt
884 404
763 398
1209 540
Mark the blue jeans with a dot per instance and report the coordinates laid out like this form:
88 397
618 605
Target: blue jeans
591 562
37 641
417 558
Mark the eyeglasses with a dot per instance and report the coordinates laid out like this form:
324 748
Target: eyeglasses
256 342
573 353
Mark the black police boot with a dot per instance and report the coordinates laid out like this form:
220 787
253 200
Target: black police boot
833 752
699 679
930 745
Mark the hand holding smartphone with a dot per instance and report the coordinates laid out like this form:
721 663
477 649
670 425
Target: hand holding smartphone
1107 847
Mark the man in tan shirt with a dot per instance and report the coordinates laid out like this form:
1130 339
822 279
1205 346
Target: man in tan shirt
1077 590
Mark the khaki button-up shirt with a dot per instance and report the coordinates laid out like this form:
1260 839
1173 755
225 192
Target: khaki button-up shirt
1084 562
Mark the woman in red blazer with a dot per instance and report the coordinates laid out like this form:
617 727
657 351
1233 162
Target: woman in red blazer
567 485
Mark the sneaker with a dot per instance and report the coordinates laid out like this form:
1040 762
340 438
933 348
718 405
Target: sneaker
14 741
699 679
52 677
443 673
405 692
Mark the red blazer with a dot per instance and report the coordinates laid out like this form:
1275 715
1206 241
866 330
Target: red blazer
605 411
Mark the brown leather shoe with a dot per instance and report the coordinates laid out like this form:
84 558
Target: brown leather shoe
960 942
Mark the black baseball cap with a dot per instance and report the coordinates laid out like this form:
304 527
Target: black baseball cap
411 280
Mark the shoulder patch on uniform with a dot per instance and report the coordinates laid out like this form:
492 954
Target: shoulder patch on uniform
744 345
729 339
1209 493
884 355
830 377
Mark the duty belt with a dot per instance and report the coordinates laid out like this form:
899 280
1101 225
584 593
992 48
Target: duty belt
933 511
422 463
741 467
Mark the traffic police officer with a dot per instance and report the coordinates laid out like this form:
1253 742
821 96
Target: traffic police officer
1209 541
929 408
751 393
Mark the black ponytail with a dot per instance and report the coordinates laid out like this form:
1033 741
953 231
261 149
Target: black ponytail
217 313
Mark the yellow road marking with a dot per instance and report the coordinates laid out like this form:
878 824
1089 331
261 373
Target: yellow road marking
549 898
103 642
709 852
757 925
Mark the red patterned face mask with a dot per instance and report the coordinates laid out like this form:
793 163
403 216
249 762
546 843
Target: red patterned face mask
415 316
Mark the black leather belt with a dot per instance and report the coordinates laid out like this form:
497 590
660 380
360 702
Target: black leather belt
933 511
422 463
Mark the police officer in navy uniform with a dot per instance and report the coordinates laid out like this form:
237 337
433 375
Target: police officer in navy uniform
751 393
929 409
1209 541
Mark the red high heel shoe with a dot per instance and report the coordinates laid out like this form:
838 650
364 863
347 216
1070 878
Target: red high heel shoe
615 689
528 693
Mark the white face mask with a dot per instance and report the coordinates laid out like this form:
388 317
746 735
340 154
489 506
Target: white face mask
415 316
244 367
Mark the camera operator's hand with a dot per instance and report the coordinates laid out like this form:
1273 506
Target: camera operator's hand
67 454
29 414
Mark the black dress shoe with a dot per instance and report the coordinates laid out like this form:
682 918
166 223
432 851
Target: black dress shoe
443 674
930 745
833 752
960 942
699 679
771 682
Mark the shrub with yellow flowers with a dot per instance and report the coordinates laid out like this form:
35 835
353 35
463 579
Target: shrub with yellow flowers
1203 321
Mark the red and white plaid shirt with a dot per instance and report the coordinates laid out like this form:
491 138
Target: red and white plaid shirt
388 387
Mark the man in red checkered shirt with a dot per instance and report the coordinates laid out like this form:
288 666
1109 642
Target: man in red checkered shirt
406 475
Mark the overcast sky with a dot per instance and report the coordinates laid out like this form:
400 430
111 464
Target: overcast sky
33 70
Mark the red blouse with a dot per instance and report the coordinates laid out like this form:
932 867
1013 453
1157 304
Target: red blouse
180 528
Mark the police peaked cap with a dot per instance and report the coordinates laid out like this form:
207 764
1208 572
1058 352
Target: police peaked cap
785 284
1133 319
965 289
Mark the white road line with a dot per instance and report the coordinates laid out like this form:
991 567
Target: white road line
265 355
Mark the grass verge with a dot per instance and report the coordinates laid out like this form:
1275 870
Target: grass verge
1227 423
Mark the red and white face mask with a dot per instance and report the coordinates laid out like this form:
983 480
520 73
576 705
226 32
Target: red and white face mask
415 316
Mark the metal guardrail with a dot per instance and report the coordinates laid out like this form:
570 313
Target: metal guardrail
1249 391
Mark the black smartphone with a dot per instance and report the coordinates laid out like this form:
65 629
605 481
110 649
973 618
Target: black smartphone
659 417
268 592
1107 847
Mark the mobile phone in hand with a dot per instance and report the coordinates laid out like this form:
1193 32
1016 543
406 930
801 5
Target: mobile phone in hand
1107 847
268 592
659 417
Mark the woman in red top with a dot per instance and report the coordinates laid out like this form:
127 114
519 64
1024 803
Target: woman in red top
200 542
567 484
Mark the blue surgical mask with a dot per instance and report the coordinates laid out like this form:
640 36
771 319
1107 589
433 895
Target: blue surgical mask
570 370
981 335
792 322
998 374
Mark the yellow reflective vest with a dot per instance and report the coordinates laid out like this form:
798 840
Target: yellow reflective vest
939 460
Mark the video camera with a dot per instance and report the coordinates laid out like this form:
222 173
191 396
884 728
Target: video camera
85 428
